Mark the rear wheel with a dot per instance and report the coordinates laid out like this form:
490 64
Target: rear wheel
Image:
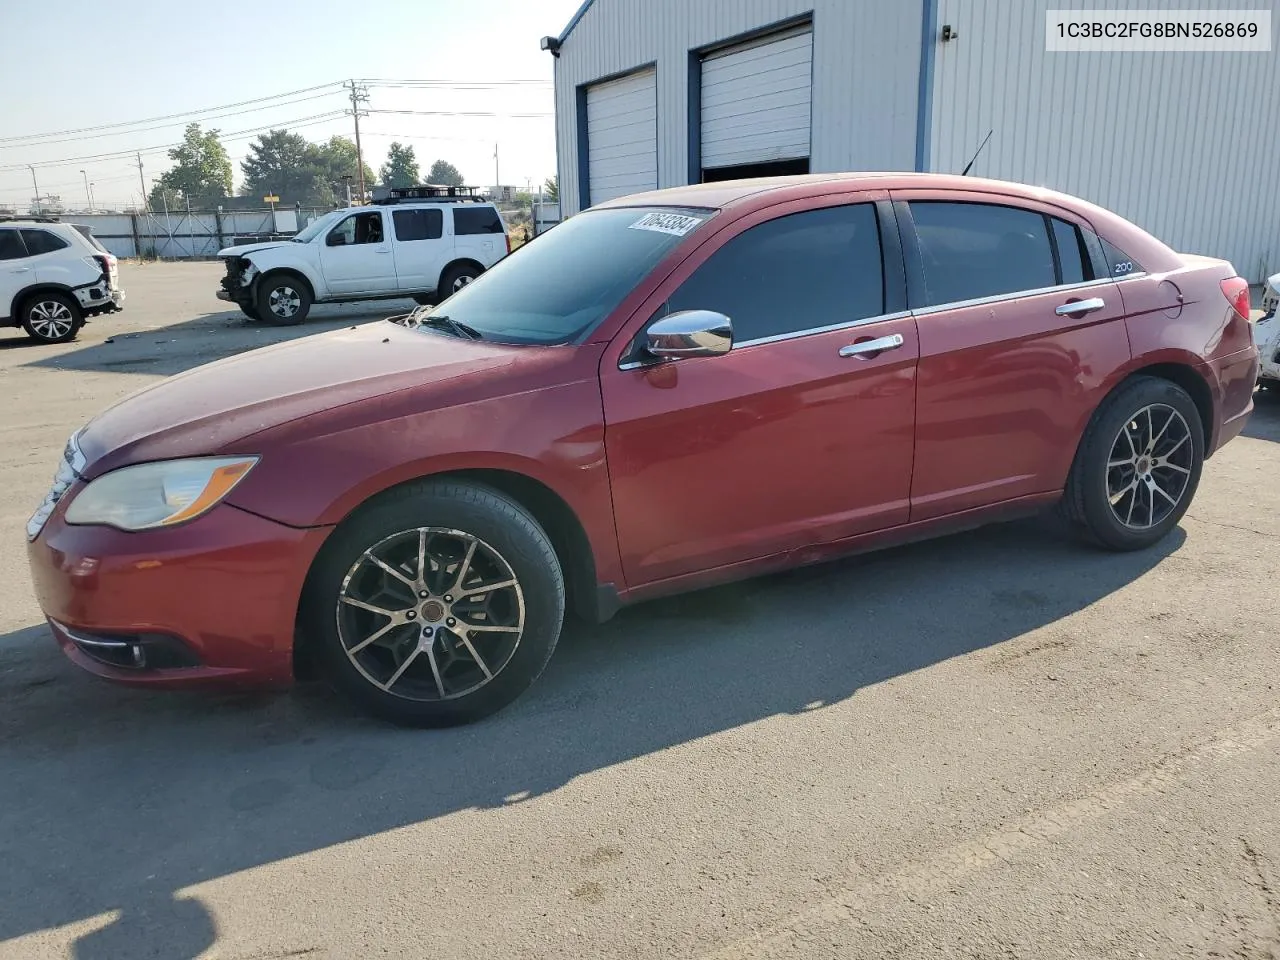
52 317
457 277
1138 466
436 606
283 300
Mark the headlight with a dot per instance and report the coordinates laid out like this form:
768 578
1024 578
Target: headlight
158 494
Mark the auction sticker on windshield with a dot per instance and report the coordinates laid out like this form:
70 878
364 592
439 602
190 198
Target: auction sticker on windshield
676 224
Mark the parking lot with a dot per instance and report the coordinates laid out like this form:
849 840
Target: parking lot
1001 743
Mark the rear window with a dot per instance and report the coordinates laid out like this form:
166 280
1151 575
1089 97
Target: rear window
468 220
1073 257
42 241
418 224
563 283
11 246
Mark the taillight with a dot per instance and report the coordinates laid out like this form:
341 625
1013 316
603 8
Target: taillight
105 264
1236 290
507 237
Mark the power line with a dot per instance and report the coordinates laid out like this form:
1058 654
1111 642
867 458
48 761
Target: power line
163 126
455 84
171 116
237 135
463 113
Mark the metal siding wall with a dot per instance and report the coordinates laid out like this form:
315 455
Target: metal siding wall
1182 144
865 75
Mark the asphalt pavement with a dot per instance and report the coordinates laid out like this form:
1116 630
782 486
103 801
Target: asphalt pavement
998 744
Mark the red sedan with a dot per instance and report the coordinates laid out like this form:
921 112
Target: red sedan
667 391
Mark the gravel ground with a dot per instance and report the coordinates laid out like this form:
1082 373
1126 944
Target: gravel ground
998 744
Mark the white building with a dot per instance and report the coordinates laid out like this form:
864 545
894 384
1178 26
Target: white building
659 93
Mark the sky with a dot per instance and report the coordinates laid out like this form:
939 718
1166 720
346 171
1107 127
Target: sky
133 60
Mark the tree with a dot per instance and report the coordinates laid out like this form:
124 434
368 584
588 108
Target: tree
401 168
284 164
337 159
551 189
201 173
442 171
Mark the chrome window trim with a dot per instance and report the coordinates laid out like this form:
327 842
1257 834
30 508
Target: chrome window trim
795 334
1018 294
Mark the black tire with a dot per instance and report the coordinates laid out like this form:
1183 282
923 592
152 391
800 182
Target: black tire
283 300
1137 408
457 277
250 311
499 525
51 317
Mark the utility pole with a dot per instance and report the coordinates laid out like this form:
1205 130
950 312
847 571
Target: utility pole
88 196
142 180
92 206
497 180
36 186
359 95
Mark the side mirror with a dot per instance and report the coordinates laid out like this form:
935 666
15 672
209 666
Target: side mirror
690 333
335 240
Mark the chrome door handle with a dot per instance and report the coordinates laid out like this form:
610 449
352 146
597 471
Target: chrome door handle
1080 306
891 342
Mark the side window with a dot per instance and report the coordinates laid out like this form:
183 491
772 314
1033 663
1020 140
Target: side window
1118 262
974 250
362 228
418 224
42 241
1073 256
799 272
11 245
467 220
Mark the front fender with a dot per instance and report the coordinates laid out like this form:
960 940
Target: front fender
278 258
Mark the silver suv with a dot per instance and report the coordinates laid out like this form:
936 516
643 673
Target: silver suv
52 276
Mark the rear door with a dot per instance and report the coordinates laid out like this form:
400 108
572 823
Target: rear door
1009 372
799 435
422 249
16 271
479 234
357 257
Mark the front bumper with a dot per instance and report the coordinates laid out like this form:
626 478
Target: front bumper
212 602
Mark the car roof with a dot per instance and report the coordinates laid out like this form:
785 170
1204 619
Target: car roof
730 192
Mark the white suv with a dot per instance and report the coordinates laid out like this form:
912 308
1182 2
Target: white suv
52 276
420 242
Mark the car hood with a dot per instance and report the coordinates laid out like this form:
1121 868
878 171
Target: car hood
208 408
244 248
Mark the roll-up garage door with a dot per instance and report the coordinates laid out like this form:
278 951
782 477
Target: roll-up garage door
755 100
622 136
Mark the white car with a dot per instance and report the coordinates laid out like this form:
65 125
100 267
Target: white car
1266 334
52 276
420 242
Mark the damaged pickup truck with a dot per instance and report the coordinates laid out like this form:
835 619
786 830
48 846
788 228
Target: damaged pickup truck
420 243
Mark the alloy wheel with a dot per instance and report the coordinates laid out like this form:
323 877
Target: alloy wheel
51 319
431 613
461 282
284 302
1149 467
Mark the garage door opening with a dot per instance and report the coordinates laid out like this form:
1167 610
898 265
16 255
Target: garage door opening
741 171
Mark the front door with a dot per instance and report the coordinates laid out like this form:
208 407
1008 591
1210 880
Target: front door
1018 327
357 256
800 434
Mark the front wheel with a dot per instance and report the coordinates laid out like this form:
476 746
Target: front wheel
437 605
52 318
1138 465
283 300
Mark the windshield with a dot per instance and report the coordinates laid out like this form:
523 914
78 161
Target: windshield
569 279
316 227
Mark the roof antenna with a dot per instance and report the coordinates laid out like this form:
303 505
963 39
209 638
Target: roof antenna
967 166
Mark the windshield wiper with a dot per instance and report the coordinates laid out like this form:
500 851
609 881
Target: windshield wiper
443 322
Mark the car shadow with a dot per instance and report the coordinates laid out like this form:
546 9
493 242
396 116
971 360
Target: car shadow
118 800
177 347
1264 424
